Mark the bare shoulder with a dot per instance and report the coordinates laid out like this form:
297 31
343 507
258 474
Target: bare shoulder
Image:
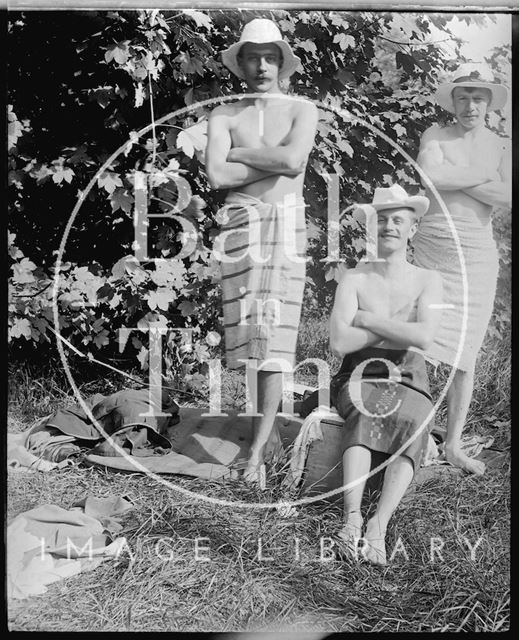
428 277
304 108
353 277
227 109
434 132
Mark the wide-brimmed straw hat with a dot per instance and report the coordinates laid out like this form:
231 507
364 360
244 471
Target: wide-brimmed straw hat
394 197
474 76
261 31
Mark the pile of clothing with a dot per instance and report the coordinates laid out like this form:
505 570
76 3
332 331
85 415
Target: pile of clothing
50 543
127 422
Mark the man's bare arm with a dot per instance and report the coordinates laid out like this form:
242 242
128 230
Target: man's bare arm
221 173
291 155
497 193
345 338
444 175
419 334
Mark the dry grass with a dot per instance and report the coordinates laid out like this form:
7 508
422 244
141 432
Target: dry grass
236 590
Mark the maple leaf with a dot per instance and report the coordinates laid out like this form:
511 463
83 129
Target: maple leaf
42 173
101 339
392 116
201 19
23 271
121 199
160 298
60 173
14 131
168 272
186 308
344 41
400 130
21 327
109 181
308 45
194 137
118 52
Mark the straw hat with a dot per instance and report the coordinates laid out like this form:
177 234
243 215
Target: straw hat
471 75
261 31
394 197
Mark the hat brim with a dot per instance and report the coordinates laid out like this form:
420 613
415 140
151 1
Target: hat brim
290 60
419 204
443 94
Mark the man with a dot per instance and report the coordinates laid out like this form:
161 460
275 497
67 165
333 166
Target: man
384 312
470 167
258 148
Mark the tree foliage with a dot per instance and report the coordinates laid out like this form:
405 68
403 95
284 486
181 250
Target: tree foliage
84 84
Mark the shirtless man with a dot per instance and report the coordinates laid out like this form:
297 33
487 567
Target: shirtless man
384 312
470 167
258 148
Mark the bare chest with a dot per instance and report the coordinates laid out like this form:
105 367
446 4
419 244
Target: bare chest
267 127
482 151
389 297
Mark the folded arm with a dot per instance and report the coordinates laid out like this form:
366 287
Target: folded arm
419 334
344 337
497 193
291 155
221 173
444 175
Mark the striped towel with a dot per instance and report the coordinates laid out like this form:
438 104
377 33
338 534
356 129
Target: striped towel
457 343
262 248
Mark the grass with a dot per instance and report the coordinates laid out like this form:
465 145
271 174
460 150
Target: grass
235 589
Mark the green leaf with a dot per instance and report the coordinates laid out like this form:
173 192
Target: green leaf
109 181
118 52
201 19
21 327
344 41
194 137
23 271
308 45
101 339
186 308
160 298
60 173
14 131
400 130
121 199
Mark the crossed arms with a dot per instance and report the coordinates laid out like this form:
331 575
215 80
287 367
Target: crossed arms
352 329
490 187
233 167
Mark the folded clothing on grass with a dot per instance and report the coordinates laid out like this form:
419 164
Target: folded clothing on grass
49 543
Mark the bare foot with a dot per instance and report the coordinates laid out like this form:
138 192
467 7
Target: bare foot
457 458
254 473
375 539
348 537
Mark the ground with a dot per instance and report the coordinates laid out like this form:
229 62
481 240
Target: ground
162 587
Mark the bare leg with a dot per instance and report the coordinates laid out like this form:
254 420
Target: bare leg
270 390
397 478
356 462
459 396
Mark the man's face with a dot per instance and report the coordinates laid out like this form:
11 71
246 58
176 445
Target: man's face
260 65
395 228
470 106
